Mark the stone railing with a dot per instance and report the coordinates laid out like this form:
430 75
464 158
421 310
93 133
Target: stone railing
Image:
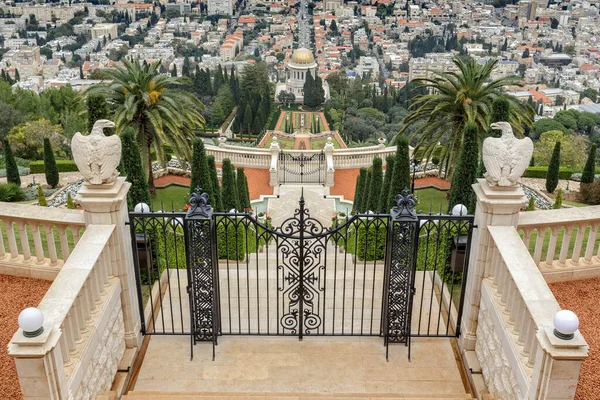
563 242
77 354
519 354
34 242
363 157
241 156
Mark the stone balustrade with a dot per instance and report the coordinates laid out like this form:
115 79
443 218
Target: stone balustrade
563 242
77 354
36 242
520 356
241 156
344 159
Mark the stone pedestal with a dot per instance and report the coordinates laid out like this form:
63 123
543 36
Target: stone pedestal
104 205
496 206
330 168
274 167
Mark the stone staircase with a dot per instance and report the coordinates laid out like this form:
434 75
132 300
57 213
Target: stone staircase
288 396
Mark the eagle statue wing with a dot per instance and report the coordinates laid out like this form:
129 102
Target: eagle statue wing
521 159
493 154
79 144
111 157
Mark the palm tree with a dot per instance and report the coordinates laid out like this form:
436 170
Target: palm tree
456 98
149 101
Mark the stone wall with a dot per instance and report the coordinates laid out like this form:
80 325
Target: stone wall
497 371
99 375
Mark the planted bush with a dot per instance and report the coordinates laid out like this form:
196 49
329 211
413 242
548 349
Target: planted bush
541 172
37 167
11 192
41 198
50 170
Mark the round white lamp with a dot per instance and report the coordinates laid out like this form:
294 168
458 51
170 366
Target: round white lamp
566 323
459 209
141 207
31 320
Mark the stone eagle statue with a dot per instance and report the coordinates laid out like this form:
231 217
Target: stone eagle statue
97 156
505 158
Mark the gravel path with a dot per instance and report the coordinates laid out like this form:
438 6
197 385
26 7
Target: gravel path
17 293
581 297
65 178
540 184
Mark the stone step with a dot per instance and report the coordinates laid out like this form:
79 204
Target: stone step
143 395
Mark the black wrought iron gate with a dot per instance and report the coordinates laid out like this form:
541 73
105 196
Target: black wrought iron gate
396 276
301 167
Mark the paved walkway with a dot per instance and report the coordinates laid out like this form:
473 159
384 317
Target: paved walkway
65 179
282 208
302 138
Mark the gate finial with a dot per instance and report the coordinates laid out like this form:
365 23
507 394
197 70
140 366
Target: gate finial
199 204
405 206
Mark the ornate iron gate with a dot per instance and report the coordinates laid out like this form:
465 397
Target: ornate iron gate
395 276
302 168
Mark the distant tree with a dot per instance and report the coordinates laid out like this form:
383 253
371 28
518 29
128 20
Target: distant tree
461 191
242 189
41 198
401 172
131 163
376 184
50 169
553 169
364 202
319 91
525 54
229 192
17 75
360 186
573 150
200 173
590 166
387 180
97 108
222 105
12 170
553 23
256 53
247 122
217 202
500 111
310 95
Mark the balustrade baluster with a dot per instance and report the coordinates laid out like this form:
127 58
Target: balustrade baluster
37 244
517 311
527 237
522 326
67 331
510 301
578 243
24 241
12 241
2 249
75 323
64 346
552 245
51 244
76 235
64 243
539 241
506 289
564 248
589 249
532 352
530 338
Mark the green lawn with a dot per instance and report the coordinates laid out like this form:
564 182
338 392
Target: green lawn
285 144
431 199
319 144
56 235
172 197
559 241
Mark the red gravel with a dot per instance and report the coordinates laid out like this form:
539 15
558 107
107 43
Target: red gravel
165 180
17 293
581 297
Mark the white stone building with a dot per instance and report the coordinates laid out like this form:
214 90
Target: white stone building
220 7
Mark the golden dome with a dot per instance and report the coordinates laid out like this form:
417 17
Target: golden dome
303 56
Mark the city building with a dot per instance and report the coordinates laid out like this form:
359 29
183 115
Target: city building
302 63
110 31
220 7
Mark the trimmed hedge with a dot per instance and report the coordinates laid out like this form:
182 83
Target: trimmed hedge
541 172
37 167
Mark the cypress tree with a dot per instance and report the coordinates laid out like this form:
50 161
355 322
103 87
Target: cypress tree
50 169
376 183
229 192
461 191
12 171
200 173
133 170
41 198
401 174
247 122
310 97
590 166
319 91
360 185
70 203
242 189
364 201
97 108
553 169
218 201
500 112
387 179
531 204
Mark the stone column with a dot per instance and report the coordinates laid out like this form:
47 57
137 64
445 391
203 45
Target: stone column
330 168
496 206
274 167
106 204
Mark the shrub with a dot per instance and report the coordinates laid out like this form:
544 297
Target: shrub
200 173
359 188
50 170
531 204
369 243
11 192
37 167
229 193
541 172
231 239
70 202
131 162
387 179
590 166
589 193
12 171
217 202
461 191
401 173
41 198
375 188
559 199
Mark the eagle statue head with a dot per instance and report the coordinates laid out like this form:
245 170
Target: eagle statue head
96 155
505 127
